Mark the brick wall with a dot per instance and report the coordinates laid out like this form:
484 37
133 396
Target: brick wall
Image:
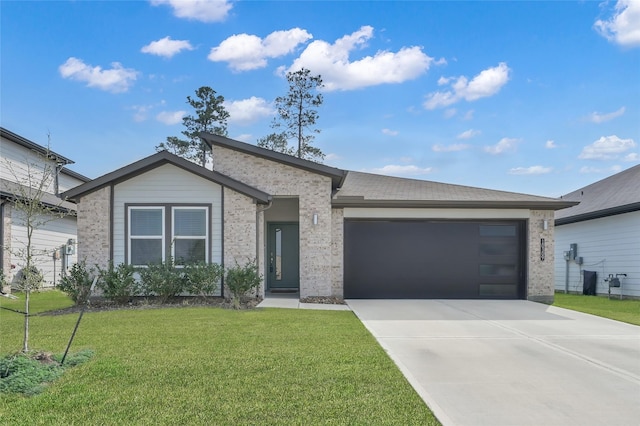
314 196
540 272
94 228
337 252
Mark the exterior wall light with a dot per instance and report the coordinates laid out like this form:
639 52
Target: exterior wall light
315 218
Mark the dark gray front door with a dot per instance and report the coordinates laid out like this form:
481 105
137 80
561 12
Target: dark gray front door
283 256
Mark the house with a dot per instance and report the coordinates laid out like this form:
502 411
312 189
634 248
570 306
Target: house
319 230
601 234
23 165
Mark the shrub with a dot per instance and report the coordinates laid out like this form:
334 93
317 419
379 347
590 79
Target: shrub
30 279
201 279
27 375
77 284
162 280
118 283
242 279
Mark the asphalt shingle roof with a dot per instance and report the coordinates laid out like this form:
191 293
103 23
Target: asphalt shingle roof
619 193
371 189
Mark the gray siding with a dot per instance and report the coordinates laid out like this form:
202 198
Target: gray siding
607 245
167 184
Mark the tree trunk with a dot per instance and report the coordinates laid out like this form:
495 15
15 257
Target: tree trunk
25 344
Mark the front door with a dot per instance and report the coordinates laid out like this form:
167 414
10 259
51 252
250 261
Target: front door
283 256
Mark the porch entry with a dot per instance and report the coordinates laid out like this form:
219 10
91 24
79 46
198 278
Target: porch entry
283 256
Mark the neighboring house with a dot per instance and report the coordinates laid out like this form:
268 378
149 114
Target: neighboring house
23 163
605 227
318 230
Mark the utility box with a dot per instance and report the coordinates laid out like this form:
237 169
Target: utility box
573 251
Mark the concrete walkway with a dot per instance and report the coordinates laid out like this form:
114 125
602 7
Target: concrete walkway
294 303
511 362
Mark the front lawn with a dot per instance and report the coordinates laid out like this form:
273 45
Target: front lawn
203 365
620 310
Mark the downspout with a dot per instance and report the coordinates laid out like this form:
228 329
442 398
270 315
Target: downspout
566 277
259 210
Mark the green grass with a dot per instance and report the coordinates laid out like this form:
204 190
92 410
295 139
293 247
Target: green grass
620 310
201 365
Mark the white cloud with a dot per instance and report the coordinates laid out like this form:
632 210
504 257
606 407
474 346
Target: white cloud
598 118
198 10
390 132
141 112
623 27
332 157
116 80
448 113
397 170
166 47
487 83
468 134
533 170
246 111
504 145
450 148
550 144
246 52
612 169
332 62
468 115
632 157
170 117
244 137
607 148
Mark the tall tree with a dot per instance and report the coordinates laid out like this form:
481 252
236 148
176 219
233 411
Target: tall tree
276 142
33 183
298 113
210 116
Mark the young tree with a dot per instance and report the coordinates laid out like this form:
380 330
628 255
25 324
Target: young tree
210 116
297 114
276 142
35 207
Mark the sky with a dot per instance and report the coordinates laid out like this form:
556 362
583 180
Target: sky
533 97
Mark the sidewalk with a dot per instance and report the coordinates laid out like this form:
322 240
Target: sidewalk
294 303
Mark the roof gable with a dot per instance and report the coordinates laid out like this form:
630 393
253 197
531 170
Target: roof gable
337 175
157 160
616 194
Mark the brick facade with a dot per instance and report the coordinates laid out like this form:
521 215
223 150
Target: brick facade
94 229
540 273
314 197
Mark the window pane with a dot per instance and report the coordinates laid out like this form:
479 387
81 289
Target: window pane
497 230
498 249
190 222
187 251
144 252
501 270
146 222
499 290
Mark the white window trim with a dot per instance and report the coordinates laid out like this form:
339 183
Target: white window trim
145 237
190 237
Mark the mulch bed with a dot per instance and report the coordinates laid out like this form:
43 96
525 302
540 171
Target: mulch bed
139 303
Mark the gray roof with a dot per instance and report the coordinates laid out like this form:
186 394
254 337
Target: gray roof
157 160
371 190
13 137
11 190
616 194
337 175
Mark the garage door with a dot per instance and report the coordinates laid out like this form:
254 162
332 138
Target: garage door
434 259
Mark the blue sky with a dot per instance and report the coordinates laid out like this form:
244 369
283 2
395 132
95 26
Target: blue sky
534 97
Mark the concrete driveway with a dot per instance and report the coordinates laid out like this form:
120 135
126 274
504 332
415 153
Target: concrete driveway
511 362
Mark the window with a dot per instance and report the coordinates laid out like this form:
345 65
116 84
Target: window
146 236
189 234
157 232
